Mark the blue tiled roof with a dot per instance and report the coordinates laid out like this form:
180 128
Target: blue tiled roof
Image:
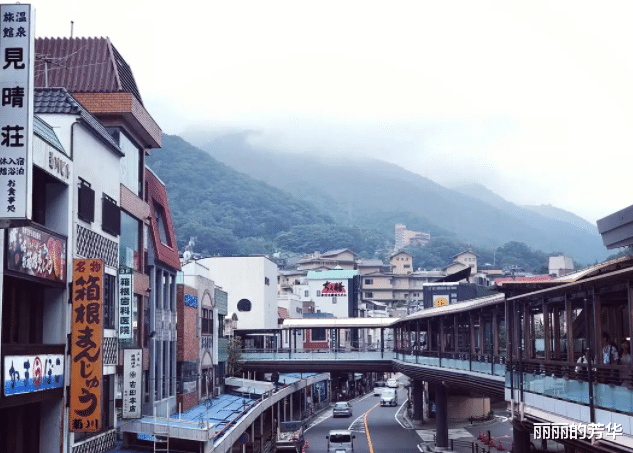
60 101
45 131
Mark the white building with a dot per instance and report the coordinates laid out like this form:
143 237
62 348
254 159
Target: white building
334 291
561 265
251 283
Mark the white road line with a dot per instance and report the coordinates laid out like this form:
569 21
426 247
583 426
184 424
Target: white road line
420 448
396 416
352 424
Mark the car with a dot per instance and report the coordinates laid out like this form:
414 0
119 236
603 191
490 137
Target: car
389 397
378 390
393 383
342 409
340 441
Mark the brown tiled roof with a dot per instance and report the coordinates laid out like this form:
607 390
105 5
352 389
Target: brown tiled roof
84 65
282 313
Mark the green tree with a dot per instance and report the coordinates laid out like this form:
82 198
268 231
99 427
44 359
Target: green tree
234 361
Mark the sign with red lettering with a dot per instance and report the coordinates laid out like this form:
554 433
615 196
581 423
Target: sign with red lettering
87 331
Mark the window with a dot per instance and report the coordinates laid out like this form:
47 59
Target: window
110 216
306 293
86 202
220 325
318 292
130 241
161 222
299 310
406 266
244 305
369 281
333 299
207 321
109 298
317 334
266 281
369 294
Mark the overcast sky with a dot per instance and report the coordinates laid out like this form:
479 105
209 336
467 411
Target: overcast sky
532 99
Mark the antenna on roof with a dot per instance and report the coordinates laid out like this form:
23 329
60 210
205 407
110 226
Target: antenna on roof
72 24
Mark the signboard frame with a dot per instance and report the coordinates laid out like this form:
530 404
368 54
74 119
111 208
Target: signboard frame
132 383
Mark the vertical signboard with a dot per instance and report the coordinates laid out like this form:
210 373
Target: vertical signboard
16 111
132 385
87 332
126 292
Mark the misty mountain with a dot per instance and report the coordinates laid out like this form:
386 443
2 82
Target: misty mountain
373 194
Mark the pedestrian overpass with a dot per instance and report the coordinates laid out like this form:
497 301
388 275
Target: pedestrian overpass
536 344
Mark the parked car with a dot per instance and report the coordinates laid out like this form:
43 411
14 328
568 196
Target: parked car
389 397
393 383
340 441
342 409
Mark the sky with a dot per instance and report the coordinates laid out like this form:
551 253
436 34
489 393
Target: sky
532 99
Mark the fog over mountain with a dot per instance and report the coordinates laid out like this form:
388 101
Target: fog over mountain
363 192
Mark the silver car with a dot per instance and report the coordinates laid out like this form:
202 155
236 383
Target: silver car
342 409
389 397
340 441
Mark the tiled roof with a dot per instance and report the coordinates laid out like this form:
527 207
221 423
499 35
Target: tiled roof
336 252
46 132
282 313
85 65
60 101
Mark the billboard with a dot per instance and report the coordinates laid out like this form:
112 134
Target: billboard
33 251
132 382
16 112
87 332
331 289
32 373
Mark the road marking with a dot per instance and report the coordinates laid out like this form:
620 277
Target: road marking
396 416
371 447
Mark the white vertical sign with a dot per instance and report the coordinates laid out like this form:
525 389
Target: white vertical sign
17 52
132 382
126 292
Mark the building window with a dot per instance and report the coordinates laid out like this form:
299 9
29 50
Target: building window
86 202
318 293
369 281
306 293
110 216
244 305
130 242
369 294
406 266
161 221
220 325
109 297
317 334
207 321
333 299
266 281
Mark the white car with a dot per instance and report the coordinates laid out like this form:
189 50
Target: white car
392 383
389 397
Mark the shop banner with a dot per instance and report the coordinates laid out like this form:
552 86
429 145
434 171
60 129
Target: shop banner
132 382
35 252
87 331
31 373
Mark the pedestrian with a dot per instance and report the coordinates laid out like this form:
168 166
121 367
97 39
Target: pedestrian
609 350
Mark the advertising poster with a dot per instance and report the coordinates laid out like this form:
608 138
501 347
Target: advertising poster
35 252
28 374
87 332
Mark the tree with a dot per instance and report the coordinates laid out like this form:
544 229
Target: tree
234 359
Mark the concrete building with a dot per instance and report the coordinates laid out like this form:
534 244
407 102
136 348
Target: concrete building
343 258
110 94
561 265
405 238
250 282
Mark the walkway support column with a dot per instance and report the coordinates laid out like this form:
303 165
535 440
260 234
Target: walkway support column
417 395
521 439
441 417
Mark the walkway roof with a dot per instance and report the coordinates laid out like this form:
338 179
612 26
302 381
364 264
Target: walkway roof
334 323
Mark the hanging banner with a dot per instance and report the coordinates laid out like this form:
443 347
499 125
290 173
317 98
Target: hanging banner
126 292
132 384
87 331
17 43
